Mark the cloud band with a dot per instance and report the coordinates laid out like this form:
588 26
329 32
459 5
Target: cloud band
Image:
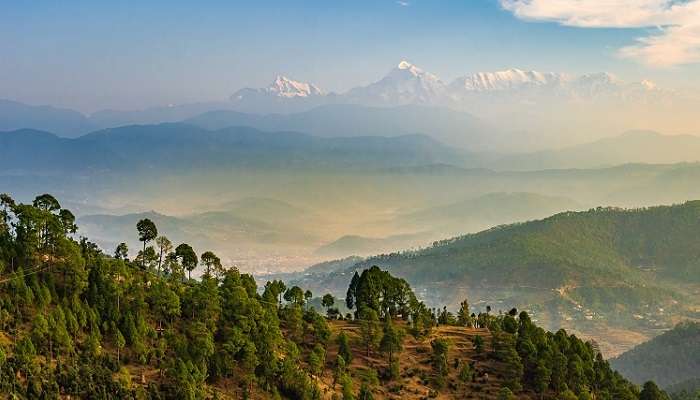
677 40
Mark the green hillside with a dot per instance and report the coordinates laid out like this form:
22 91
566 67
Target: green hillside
635 270
572 248
669 359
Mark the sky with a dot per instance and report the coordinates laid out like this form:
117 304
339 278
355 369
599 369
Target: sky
92 55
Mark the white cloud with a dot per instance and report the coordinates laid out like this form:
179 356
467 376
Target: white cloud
677 40
403 3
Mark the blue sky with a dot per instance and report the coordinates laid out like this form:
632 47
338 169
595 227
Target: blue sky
91 55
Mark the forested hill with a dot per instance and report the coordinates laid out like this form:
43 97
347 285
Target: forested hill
634 270
669 359
571 248
76 322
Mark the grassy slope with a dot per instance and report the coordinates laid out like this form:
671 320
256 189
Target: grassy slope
416 370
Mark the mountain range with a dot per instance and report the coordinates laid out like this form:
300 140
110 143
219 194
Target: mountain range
504 110
227 138
630 147
410 84
176 145
451 127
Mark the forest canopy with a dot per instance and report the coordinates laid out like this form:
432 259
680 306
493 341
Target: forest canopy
77 321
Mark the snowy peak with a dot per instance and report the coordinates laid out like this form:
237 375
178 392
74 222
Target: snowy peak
507 80
406 68
285 87
407 71
281 88
404 84
407 84
405 65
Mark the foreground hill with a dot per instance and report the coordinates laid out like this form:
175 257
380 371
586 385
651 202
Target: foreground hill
77 323
617 275
672 358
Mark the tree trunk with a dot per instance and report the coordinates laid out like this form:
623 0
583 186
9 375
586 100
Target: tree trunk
160 260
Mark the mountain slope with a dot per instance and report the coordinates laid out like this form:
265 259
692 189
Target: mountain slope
608 241
404 84
46 153
668 359
283 95
611 274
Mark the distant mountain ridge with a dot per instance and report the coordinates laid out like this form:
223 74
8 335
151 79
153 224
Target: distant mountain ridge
510 100
178 146
16 116
347 120
631 147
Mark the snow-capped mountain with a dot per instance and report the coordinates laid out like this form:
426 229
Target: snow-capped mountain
510 99
510 79
404 84
407 84
282 95
281 87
